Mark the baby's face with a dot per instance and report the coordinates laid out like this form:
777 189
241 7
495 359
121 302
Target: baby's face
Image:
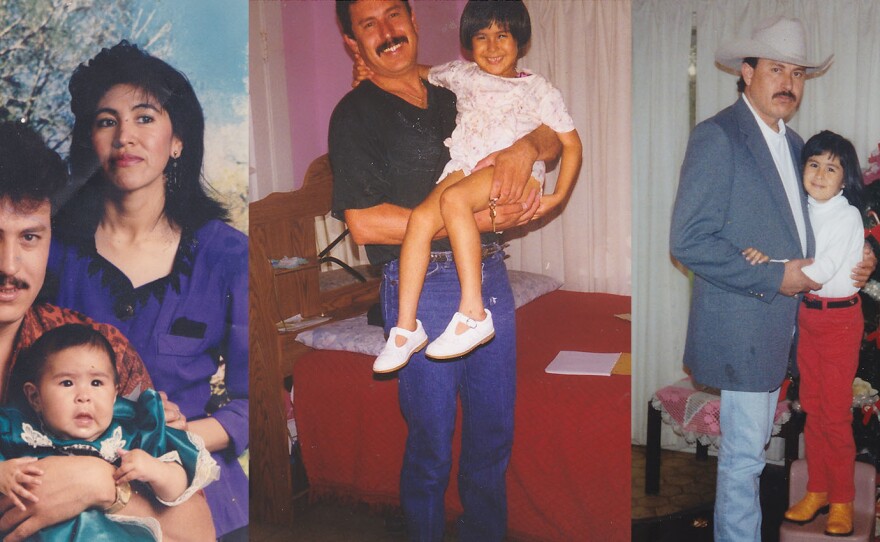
75 394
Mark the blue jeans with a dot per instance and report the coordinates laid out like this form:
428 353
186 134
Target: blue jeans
746 428
485 380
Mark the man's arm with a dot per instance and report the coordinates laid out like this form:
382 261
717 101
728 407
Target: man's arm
385 224
794 280
513 165
73 484
702 210
70 485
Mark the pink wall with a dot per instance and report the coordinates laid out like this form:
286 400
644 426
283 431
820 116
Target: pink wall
319 67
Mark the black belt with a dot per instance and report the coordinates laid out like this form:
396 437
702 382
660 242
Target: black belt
819 304
488 250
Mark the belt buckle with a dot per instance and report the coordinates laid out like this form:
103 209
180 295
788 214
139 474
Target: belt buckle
485 252
813 303
492 249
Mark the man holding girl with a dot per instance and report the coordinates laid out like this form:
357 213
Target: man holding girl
740 187
387 152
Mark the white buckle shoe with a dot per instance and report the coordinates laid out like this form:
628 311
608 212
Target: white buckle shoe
393 357
449 345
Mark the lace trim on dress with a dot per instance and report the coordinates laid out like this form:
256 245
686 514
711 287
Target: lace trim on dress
149 523
109 447
35 438
206 470
126 297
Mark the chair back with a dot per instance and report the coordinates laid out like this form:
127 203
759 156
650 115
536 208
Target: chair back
283 224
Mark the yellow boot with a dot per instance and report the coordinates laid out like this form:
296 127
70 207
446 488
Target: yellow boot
808 508
840 519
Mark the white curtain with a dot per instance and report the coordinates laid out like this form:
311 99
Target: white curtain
271 164
578 45
843 100
661 57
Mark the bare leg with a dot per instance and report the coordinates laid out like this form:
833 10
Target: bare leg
423 225
457 206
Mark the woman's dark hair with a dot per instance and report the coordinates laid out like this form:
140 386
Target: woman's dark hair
30 172
741 83
343 13
510 15
31 362
839 147
189 206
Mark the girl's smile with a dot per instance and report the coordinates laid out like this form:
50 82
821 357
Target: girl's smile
823 176
495 51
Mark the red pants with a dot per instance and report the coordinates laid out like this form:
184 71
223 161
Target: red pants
828 356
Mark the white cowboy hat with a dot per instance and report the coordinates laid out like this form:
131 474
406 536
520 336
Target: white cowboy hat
777 38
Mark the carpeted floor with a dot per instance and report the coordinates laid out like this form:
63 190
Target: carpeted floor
682 511
685 484
327 522
324 522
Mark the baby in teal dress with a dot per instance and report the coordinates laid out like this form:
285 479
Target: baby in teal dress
64 387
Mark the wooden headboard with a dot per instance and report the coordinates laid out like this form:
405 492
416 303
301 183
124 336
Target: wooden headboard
269 474
283 224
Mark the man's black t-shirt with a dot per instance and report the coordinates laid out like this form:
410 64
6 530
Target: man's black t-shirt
386 150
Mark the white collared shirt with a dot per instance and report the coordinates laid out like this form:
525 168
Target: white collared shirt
781 153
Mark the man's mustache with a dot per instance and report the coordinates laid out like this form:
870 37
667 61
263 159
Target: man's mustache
391 43
7 281
785 94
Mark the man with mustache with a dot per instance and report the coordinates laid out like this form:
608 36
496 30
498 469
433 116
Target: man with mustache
30 177
387 151
740 187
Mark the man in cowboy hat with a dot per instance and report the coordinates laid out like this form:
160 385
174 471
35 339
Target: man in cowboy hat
740 187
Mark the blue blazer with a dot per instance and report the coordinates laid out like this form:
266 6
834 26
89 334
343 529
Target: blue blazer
730 197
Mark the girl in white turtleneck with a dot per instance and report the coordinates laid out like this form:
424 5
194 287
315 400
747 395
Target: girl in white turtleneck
830 328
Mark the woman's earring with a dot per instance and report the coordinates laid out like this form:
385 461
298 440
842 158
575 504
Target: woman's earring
172 182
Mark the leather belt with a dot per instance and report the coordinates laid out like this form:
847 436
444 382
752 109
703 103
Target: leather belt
446 256
818 303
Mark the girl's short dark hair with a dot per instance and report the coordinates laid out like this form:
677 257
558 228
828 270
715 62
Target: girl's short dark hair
31 362
511 15
841 148
125 64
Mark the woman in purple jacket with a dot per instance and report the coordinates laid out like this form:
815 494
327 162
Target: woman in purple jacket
143 247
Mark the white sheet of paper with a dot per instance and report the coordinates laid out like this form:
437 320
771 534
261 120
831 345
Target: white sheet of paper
568 362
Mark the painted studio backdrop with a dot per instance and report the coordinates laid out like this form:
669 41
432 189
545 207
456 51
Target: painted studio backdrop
42 42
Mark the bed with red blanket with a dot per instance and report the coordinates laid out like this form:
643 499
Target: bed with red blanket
569 475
